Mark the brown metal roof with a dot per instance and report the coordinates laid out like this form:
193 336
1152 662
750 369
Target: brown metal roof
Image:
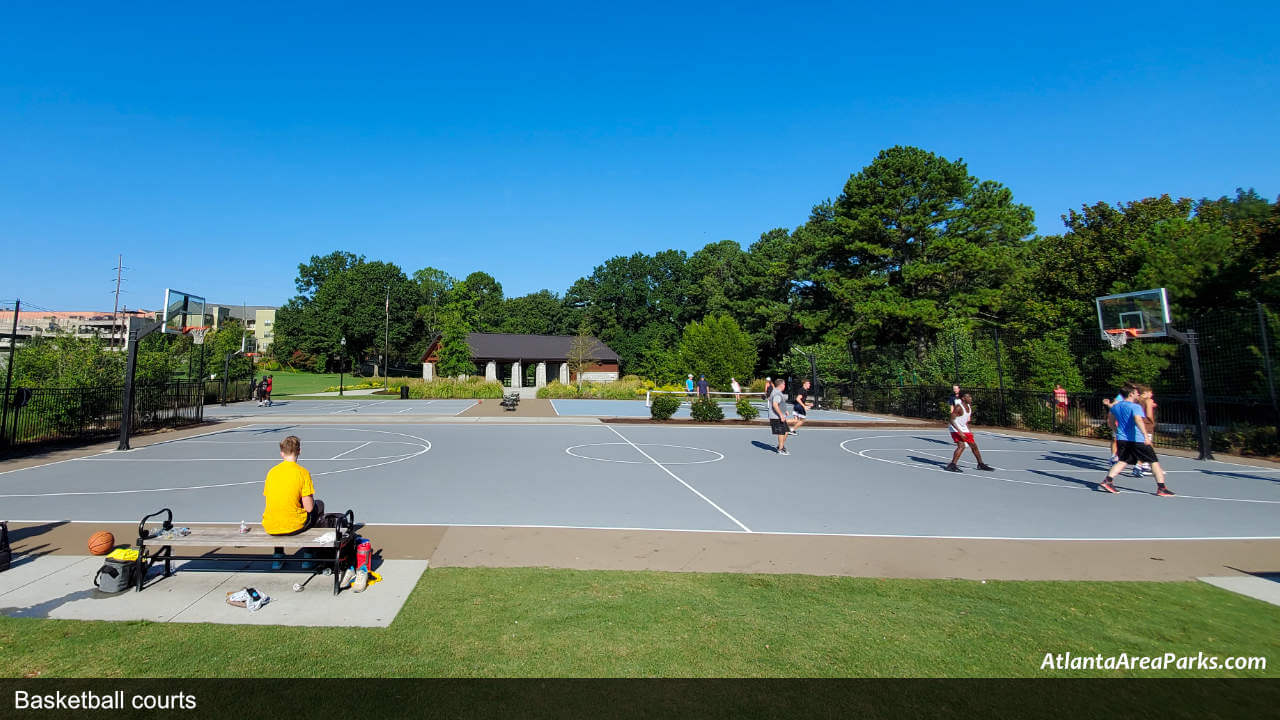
507 346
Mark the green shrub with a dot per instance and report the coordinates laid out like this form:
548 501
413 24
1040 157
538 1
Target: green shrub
746 410
474 388
629 388
756 385
663 407
706 410
1246 440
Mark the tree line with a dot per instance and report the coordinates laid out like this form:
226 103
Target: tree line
912 249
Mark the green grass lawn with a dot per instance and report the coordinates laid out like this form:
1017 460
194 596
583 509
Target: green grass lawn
564 623
296 383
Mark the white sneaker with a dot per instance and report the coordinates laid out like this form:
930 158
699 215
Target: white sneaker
362 580
784 451
792 432
1137 471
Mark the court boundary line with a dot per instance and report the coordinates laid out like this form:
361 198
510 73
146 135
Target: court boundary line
679 480
736 533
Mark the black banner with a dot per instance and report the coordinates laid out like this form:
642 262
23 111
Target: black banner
507 699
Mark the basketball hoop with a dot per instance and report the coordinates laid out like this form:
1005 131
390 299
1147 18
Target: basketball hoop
196 333
1118 338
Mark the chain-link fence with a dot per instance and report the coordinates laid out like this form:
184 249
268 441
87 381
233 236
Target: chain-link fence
1013 377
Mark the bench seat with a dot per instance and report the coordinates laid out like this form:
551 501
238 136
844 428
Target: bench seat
157 544
232 537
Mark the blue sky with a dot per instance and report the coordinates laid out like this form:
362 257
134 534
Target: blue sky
218 149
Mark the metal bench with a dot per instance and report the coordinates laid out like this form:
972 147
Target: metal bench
157 544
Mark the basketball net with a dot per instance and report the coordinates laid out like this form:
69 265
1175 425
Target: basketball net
197 335
1118 338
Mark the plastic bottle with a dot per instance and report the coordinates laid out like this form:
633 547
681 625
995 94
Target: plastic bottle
244 528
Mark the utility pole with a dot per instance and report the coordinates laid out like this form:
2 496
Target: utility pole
386 343
116 310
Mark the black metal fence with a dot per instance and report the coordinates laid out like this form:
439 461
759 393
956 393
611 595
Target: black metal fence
38 416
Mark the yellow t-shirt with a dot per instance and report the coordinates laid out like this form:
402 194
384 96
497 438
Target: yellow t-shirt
287 483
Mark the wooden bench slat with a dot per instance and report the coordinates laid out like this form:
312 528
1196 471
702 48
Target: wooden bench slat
231 537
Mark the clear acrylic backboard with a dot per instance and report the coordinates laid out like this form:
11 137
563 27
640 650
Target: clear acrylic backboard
1136 314
181 311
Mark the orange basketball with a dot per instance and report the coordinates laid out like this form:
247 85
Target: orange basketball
100 543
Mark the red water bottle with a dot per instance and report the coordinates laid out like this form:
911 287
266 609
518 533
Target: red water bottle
364 554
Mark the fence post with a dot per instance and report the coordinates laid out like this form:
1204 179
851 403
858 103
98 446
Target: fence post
1191 340
1000 376
1266 359
8 380
955 352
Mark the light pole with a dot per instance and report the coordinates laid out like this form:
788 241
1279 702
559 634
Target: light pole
342 356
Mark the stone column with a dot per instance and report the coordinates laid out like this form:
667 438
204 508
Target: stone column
517 375
540 375
428 371
491 371
564 373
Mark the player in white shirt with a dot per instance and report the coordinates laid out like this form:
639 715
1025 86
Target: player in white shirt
961 413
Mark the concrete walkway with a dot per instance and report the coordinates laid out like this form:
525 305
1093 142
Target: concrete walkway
61 587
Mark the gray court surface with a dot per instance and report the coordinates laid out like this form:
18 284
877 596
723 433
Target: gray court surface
338 407
836 481
637 409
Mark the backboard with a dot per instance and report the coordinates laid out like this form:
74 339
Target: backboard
1143 314
181 310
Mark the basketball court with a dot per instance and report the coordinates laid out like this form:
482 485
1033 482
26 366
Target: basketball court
855 482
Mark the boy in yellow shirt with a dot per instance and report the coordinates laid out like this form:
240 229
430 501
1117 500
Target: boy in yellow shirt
291 505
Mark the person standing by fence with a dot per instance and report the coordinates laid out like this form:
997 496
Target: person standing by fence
1060 401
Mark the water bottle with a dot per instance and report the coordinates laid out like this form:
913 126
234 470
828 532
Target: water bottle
244 529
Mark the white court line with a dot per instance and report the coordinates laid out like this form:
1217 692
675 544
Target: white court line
473 404
719 455
988 476
426 447
682 482
736 533
107 452
335 457
355 407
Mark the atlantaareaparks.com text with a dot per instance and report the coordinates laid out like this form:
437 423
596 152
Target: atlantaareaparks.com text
1167 661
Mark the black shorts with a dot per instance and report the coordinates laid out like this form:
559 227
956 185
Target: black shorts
1133 453
779 427
799 411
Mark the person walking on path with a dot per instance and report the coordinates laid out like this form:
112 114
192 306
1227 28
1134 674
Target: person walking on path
1133 430
961 435
688 385
777 416
800 408
704 390
266 390
737 389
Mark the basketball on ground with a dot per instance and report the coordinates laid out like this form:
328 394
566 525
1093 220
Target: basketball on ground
100 543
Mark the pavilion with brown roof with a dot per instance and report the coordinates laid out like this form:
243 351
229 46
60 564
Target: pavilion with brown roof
527 360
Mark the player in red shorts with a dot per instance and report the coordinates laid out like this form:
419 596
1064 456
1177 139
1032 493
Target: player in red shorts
961 412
